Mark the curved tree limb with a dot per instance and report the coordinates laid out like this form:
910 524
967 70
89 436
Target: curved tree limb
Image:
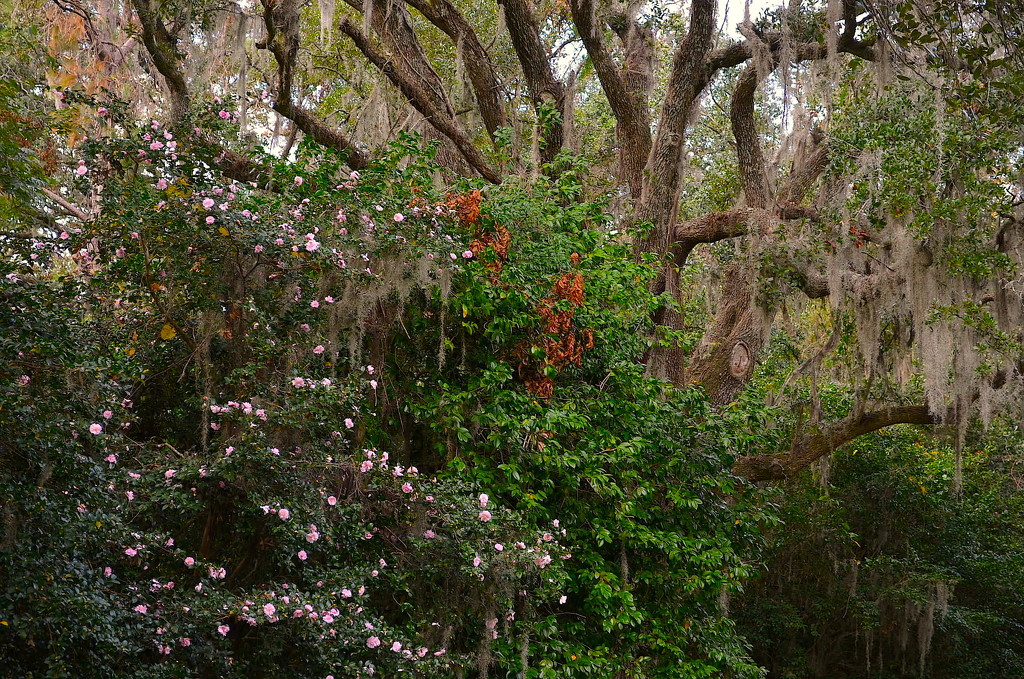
163 49
422 102
815 444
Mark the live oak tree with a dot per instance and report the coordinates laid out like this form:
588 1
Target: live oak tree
252 249
887 186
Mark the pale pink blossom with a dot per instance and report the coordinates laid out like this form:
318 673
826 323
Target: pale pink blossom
208 203
484 516
107 414
269 610
298 181
302 555
349 423
284 514
483 500
332 500
373 642
223 630
318 349
189 561
95 428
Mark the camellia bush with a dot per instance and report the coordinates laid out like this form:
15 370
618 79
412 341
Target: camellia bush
341 423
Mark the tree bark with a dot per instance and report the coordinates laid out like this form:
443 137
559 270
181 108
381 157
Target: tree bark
482 77
546 90
815 444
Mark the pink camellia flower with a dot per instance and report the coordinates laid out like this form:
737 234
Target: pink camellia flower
312 246
302 555
112 459
224 114
298 382
185 641
373 642
258 249
81 170
107 414
563 599
108 572
396 647
366 466
211 219
298 181
189 561
406 487
223 630
318 349
284 514
483 500
399 217
208 203
329 299
161 184
269 609
170 473
95 428
102 110
468 254
373 384
141 608
332 500
484 516
349 423
156 146
499 547
131 551
315 304
476 561
429 534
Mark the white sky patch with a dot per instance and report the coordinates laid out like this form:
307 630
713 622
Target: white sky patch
731 12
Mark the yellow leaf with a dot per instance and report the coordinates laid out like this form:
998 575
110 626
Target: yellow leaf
168 332
223 231
131 351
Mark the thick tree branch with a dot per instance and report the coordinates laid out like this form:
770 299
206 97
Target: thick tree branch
482 76
626 91
544 88
687 79
422 102
813 445
163 49
282 23
391 21
753 174
68 207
